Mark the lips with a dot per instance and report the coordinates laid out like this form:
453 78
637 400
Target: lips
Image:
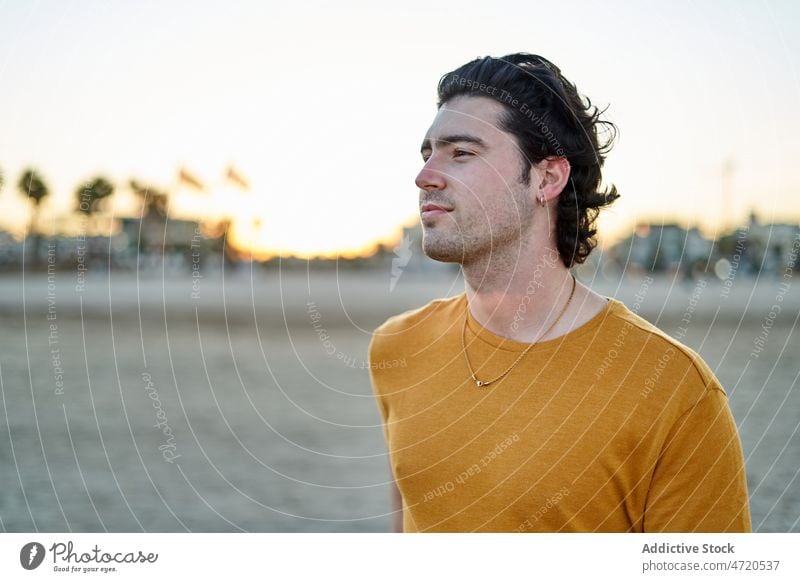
430 207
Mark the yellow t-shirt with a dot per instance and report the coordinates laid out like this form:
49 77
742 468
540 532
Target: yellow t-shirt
613 427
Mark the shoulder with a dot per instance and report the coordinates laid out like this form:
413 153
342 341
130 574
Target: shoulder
664 352
416 324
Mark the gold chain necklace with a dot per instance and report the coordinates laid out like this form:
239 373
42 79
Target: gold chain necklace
481 383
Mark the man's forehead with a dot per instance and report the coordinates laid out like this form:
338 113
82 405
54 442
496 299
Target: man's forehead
475 115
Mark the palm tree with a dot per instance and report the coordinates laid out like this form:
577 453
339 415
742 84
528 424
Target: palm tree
91 193
32 186
155 203
153 217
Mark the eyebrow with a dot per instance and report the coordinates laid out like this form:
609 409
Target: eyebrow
451 139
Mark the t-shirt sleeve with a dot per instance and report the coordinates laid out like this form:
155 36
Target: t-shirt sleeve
699 482
374 355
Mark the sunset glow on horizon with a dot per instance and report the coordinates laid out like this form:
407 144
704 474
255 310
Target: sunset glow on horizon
323 116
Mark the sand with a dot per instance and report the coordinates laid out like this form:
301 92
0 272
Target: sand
213 405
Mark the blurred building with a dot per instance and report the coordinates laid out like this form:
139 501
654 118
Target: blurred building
772 247
663 248
10 251
752 248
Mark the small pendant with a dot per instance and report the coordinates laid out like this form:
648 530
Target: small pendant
479 383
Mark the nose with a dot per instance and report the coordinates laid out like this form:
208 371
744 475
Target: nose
430 178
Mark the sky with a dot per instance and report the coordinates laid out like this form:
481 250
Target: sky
322 107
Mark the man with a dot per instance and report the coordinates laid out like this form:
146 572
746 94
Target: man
529 402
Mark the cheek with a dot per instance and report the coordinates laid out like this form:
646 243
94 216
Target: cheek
489 194
508 212
502 198
486 184
498 213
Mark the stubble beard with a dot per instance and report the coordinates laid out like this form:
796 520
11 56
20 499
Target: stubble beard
443 242
470 242
450 243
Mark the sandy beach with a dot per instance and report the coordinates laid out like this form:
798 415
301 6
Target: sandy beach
214 404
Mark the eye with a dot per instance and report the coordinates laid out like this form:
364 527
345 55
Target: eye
460 153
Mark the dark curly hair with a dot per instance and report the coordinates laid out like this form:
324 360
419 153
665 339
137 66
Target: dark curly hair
548 117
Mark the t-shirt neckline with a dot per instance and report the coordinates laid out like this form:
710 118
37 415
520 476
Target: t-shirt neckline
488 337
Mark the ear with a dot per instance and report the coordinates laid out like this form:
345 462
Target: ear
553 174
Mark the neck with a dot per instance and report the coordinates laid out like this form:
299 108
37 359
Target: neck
521 299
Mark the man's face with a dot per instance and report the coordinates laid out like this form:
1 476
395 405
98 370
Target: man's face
472 171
